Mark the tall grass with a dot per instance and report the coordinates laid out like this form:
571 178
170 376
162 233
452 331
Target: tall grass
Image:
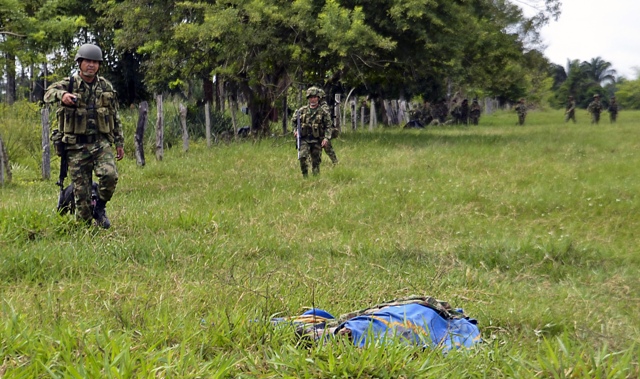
530 229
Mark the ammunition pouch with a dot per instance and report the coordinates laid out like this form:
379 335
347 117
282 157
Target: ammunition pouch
58 145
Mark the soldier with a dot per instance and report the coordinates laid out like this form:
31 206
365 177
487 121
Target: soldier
613 110
595 107
88 118
570 112
464 112
328 148
521 108
315 131
455 112
474 112
427 113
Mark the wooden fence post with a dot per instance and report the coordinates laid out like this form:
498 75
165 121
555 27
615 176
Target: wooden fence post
5 168
336 111
46 148
207 122
159 129
138 139
185 132
354 116
373 122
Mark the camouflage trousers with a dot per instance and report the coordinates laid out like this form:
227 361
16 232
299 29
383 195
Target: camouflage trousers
310 149
330 152
595 117
570 116
613 116
521 118
84 159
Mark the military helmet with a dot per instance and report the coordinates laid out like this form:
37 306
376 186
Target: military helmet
321 93
313 91
596 95
89 51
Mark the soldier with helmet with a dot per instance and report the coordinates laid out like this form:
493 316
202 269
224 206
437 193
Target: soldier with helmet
315 131
613 109
595 107
89 125
521 109
328 148
570 110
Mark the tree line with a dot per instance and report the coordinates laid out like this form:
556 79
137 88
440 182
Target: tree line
267 50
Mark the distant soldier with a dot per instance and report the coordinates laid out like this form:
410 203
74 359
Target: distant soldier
442 112
314 134
328 148
595 107
427 113
570 112
613 109
464 112
455 111
474 112
521 109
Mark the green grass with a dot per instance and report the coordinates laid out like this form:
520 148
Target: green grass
532 230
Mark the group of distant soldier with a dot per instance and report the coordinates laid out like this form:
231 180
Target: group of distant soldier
438 113
595 108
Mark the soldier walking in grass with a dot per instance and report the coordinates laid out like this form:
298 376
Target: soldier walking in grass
594 108
521 109
474 112
313 133
89 125
328 148
613 110
570 112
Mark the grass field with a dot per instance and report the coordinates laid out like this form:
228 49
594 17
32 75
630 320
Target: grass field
532 230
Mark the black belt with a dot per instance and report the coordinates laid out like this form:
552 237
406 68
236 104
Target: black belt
86 138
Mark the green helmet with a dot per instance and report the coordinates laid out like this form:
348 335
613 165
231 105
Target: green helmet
313 91
321 93
89 51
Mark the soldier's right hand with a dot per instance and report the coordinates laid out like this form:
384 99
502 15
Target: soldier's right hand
69 99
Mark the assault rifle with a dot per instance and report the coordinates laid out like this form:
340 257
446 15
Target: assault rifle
60 148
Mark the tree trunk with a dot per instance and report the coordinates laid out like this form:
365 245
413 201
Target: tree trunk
10 70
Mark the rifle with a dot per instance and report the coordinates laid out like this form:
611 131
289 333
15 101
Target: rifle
61 150
299 131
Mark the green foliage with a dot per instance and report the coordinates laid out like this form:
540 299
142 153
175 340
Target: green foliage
628 94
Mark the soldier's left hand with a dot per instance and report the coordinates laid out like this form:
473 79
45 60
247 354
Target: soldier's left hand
325 142
119 153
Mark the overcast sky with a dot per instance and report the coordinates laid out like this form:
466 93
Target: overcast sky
587 29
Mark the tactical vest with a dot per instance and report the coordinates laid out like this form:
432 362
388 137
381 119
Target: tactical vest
312 124
92 111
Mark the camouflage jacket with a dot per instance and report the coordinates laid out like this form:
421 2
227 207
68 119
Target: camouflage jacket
571 106
314 123
475 110
521 109
595 107
96 110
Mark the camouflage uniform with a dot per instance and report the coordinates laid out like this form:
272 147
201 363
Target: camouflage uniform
595 107
474 112
613 110
328 148
570 112
464 112
315 125
89 128
521 108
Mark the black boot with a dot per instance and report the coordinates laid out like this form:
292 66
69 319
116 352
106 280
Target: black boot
100 214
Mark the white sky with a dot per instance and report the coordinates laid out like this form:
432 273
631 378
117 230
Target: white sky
588 29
